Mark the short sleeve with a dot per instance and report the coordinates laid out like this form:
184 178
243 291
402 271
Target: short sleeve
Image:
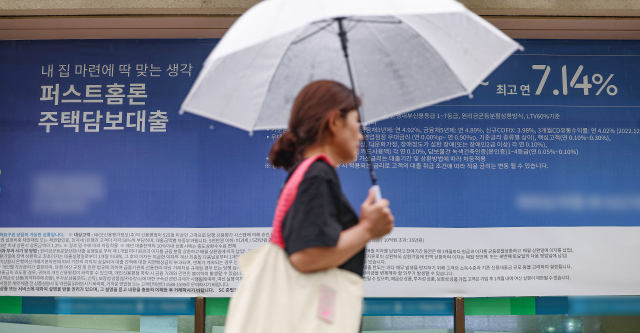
313 218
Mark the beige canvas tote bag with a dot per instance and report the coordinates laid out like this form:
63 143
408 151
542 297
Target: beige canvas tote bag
274 297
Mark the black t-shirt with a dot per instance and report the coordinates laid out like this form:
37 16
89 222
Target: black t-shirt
319 213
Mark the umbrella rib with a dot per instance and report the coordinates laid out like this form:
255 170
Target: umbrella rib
422 38
418 105
349 19
373 21
313 33
357 21
425 18
273 74
382 45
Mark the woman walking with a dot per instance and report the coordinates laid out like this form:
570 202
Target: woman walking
308 278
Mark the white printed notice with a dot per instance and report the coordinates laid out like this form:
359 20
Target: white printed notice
410 262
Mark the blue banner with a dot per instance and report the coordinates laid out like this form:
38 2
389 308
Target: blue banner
90 136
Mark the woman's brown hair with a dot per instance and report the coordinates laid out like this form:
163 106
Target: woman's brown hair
310 120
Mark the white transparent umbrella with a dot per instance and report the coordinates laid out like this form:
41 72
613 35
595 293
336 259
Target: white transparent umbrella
401 55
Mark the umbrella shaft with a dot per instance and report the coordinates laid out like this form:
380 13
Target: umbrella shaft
343 40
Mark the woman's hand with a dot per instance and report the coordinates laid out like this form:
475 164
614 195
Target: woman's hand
376 217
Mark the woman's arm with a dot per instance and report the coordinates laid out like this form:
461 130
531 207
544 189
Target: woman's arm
350 242
375 221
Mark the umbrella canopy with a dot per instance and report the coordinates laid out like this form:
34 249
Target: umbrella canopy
404 54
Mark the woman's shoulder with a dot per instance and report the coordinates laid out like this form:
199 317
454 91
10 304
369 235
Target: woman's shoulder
318 170
321 169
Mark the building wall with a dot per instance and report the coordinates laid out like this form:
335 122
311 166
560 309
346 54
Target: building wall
626 8
97 19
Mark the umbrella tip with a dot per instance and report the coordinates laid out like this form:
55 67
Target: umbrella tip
181 112
470 96
521 48
251 133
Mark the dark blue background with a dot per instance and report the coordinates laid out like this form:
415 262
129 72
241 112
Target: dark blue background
196 175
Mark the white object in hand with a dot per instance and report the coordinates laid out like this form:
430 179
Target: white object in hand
376 191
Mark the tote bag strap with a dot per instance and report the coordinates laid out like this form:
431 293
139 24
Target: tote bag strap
288 195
